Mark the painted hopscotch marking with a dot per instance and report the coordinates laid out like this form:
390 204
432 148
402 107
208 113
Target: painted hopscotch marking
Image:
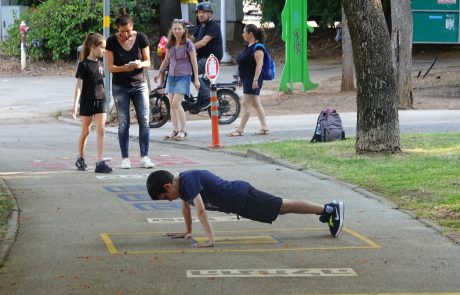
106 237
268 273
238 240
194 219
137 196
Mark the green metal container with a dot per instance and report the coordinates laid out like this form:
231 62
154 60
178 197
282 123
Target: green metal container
436 21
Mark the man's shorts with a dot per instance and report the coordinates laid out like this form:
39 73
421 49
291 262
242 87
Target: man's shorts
261 206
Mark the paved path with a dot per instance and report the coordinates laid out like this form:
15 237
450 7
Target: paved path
83 233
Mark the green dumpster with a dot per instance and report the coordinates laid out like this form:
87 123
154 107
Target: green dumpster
436 21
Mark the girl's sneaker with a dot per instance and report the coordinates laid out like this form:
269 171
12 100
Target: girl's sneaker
81 164
102 167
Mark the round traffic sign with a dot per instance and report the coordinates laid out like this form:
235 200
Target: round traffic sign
212 67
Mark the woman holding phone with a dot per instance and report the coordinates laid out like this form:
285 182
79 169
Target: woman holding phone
127 55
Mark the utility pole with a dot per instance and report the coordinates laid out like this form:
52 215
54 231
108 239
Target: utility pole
226 58
106 34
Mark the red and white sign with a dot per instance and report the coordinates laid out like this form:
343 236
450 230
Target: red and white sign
212 68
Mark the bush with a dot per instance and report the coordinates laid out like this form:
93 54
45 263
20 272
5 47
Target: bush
61 25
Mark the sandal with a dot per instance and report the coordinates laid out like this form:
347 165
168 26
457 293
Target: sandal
235 133
262 132
172 135
179 137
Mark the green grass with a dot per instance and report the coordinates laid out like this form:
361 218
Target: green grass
5 209
424 179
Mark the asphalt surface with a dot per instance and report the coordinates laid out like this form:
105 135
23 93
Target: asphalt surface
85 233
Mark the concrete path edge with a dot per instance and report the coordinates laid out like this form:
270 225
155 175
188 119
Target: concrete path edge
11 227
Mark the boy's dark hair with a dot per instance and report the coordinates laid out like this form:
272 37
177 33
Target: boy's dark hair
156 182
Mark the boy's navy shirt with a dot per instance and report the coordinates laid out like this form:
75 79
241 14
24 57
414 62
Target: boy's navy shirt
217 194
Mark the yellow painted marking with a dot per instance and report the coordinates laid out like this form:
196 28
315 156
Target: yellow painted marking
106 22
362 238
108 243
431 293
369 244
239 240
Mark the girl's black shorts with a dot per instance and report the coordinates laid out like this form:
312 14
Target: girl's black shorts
89 108
261 206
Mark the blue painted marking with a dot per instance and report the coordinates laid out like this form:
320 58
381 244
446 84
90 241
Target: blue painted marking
134 197
435 17
137 195
158 205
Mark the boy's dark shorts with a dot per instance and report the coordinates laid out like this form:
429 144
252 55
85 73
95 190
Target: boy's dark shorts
261 206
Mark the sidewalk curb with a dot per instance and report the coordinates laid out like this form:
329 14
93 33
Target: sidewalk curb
451 235
11 227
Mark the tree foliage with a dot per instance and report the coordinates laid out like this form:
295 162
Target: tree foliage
324 12
61 25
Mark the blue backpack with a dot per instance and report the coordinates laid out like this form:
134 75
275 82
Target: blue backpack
269 67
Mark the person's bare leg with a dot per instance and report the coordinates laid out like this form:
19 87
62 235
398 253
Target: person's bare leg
300 207
247 105
257 105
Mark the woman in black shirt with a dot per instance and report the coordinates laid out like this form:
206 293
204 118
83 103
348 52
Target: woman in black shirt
127 55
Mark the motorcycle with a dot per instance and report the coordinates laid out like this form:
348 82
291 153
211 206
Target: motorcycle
228 104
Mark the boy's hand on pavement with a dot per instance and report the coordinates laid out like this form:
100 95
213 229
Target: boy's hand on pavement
178 235
203 245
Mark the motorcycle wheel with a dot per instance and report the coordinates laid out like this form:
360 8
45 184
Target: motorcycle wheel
160 110
229 106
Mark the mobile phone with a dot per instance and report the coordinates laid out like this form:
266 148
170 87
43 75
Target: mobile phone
131 62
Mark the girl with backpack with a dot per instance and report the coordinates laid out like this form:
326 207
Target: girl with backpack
182 62
250 63
90 91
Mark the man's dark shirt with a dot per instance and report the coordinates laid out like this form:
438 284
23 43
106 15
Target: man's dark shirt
214 46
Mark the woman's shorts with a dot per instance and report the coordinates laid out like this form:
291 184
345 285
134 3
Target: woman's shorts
89 108
247 86
179 84
261 206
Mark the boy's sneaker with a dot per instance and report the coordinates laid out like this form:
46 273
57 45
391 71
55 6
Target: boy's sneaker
125 164
333 216
81 164
102 167
146 162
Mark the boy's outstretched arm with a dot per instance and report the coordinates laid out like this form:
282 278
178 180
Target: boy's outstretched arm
203 217
186 212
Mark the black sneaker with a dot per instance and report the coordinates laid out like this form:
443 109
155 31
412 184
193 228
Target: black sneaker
102 167
81 164
333 216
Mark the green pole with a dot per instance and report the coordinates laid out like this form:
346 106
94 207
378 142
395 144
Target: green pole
294 34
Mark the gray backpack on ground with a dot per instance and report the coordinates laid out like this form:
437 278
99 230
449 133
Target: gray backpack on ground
328 127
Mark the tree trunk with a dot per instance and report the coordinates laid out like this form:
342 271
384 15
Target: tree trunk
169 10
401 41
377 127
348 68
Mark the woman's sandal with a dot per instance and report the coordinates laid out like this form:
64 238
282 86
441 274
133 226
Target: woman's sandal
179 137
262 132
236 133
171 136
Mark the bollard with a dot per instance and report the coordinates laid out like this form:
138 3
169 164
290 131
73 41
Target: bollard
214 118
23 28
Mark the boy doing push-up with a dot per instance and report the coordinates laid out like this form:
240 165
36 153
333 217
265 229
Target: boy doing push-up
206 191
